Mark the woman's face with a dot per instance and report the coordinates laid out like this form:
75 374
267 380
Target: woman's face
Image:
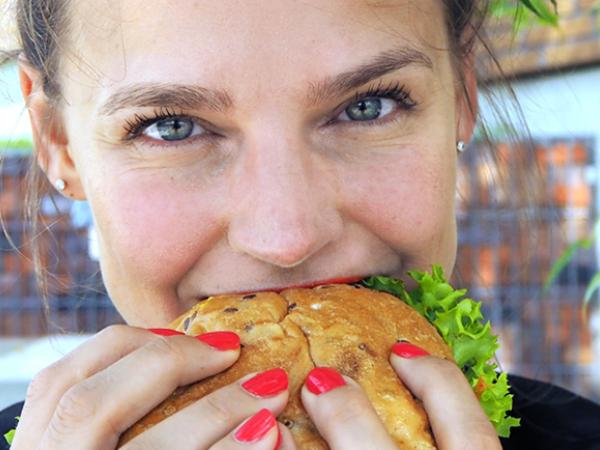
296 141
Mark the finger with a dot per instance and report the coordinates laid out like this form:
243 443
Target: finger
456 419
94 412
342 412
217 413
287 440
48 386
259 432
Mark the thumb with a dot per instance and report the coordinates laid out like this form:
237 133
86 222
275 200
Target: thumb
456 419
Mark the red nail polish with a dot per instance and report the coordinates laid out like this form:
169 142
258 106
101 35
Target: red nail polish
267 383
255 428
221 340
406 350
165 332
323 379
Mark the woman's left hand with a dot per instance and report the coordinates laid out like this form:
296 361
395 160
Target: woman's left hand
346 419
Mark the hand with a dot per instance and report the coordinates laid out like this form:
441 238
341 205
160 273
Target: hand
345 418
90 397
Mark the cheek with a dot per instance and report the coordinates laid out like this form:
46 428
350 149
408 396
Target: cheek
407 201
152 230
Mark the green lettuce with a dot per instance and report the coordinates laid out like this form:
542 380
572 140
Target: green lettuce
460 323
9 436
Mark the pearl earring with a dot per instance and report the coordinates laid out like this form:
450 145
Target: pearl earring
460 146
60 184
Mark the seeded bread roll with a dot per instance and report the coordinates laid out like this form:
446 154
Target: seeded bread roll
345 327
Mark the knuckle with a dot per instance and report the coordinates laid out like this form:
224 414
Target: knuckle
446 370
345 412
77 404
217 409
482 429
116 333
443 376
483 441
42 383
165 350
75 407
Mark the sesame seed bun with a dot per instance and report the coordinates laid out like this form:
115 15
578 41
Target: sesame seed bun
349 328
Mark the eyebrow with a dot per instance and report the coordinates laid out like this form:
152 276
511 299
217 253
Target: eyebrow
382 64
141 95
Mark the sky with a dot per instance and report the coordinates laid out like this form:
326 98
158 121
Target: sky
7 25
14 120
14 123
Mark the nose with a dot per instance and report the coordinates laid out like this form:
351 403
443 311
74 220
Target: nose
286 208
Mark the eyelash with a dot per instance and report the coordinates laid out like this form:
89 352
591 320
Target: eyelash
137 124
395 91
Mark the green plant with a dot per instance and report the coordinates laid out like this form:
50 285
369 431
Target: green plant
567 256
10 435
524 11
21 145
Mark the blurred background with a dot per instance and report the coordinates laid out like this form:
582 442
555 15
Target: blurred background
506 248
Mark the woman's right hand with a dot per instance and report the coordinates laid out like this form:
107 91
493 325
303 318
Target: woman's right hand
90 397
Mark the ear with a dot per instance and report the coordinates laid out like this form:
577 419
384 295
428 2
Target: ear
467 102
49 137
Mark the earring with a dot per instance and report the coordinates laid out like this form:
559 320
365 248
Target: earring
460 146
60 184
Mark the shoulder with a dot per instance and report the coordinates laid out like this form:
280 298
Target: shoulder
552 417
8 422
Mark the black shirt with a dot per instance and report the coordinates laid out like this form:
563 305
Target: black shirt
552 418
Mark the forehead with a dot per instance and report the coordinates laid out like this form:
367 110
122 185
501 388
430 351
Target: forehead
268 43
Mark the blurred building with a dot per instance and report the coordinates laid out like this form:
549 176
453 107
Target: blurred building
555 74
540 49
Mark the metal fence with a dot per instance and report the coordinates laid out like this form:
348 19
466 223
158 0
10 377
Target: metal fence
505 253
76 296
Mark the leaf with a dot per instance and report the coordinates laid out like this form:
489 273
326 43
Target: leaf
10 436
541 9
565 258
522 11
460 323
591 288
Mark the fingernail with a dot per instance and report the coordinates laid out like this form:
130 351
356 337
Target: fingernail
408 350
221 340
267 383
323 379
165 332
256 427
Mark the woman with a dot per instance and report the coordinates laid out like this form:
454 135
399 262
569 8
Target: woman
238 146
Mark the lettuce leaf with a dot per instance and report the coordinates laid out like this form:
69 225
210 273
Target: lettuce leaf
461 324
10 436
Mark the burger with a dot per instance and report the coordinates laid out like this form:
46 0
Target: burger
350 327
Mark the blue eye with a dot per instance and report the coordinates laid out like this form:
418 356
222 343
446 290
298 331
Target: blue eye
377 102
172 129
368 109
